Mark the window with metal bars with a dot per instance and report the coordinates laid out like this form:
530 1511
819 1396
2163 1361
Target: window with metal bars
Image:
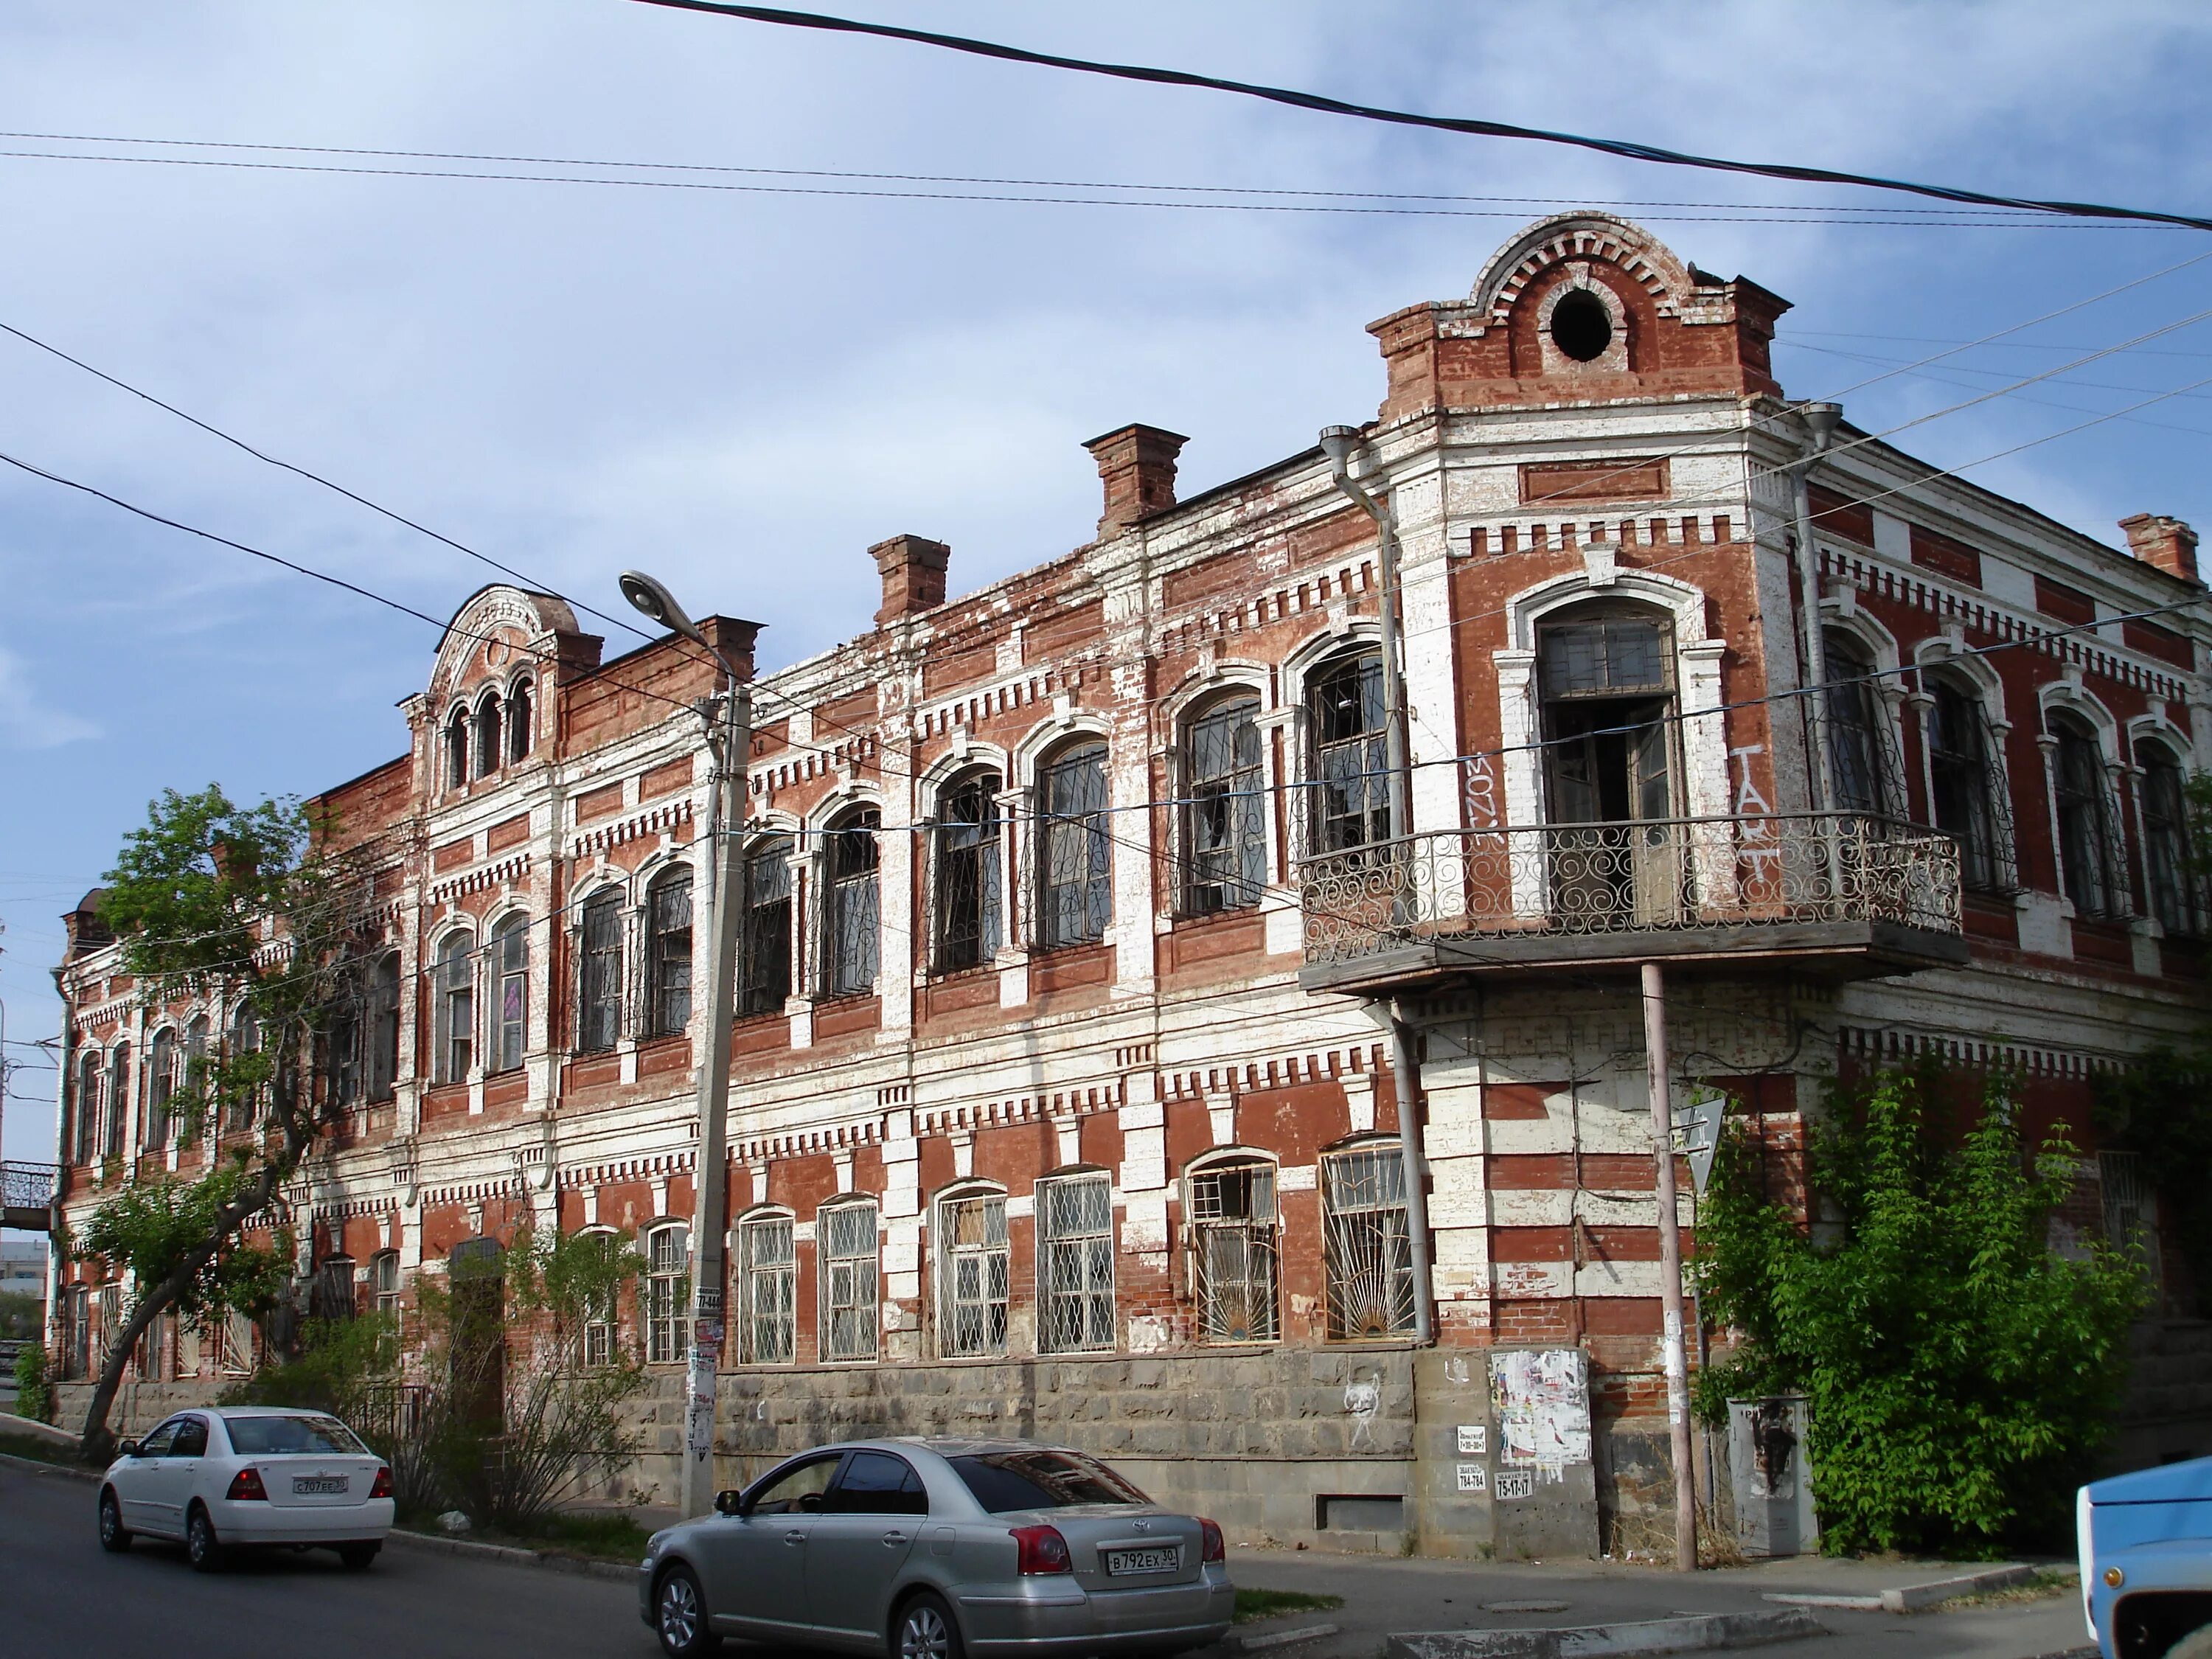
764 953
845 1248
1368 1257
599 973
667 1293
1225 827
854 950
2085 820
510 950
767 1280
971 1274
1857 734
1236 1251
1075 875
454 1023
1967 777
1075 1264
2177 894
1349 800
967 912
668 953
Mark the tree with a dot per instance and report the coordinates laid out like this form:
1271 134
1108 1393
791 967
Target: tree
1958 1372
259 905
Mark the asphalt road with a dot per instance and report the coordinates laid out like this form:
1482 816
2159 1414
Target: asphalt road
62 1597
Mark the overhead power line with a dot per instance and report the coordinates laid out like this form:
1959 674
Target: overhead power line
1627 149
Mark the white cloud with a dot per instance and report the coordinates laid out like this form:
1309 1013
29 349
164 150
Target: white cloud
28 722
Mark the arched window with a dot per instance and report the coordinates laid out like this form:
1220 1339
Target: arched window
1225 828
1368 1257
381 1025
161 1084
1075 874
384 1283
846 1247
1236 1234
971 1274
767 1280
1350 800
457 749
599 1334
88 1109
667 1293
119 1097
198 1036
454 1023
342 1042
519 722
2086 867
765 958
1856 732
238 1111
2169 860
668 951
488 757
599 973
510 949
1075 1264
1967 787
966 911
855 902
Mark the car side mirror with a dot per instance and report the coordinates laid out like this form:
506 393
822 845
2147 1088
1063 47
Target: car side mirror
127 1449
729 1503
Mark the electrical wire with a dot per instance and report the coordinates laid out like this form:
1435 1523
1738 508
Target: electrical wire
1486 129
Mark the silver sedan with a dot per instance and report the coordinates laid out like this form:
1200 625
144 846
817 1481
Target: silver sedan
934 1549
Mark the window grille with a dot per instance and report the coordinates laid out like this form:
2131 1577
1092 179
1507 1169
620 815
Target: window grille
2177 894
380 1024
845 1244
454 1037
161 1084
1368 1256
1235 1252
1861 766
765 963
767 1276
667 1294
668 954
971 1265
966 868
1349 796
1075 1264
600 973
236 1358
855 903
1224 825
2130 1209
1965 763
1075 876
511 959
111 1324
2085 821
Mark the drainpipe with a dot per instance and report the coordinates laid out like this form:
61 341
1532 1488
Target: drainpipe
1821 421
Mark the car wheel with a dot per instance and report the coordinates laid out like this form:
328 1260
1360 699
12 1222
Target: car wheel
679 1616
356 1557
114 1536
925 1630
202 1547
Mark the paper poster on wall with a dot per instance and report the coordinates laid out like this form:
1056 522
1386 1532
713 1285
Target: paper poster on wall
1541 1402
1473 1477
1474 1439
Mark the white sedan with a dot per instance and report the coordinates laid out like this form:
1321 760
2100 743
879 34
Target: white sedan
240 1475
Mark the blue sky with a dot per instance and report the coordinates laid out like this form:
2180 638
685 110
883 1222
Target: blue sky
742 393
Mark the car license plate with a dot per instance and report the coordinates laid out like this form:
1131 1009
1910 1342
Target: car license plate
319 1486
1160 1558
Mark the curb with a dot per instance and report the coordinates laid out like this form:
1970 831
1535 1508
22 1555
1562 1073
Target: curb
1915 1598
508 1555
1700 1634
1277 1638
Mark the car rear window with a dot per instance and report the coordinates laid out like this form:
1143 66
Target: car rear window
1006 1481
275 1437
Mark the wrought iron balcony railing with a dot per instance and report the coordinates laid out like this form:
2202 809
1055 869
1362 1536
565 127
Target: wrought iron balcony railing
1759 874
26 1192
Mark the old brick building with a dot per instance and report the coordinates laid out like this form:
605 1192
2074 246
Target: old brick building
1079 908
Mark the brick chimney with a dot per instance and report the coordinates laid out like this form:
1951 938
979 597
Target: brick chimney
733 637
913 569
1138 466
2166 543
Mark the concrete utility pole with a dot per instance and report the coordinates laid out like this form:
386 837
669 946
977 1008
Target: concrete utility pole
1670 1269
1821 421
729 741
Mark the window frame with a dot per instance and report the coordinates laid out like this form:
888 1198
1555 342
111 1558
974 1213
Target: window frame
161 1059
972 1326
1072 887
243 1034
459 735
1325 829
507 1038
600 971
454 1010
664 1292
1368 1217
1082 1245
962 843
779 1276
852 922
1972 755
2081 802
1857 726
860 1269
1223 811
764 946
2175 891
663 963
379 1027
91 1116
1262 1244
119 1103
486 734
520 720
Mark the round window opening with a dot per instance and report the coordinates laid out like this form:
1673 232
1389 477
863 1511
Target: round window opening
1580 327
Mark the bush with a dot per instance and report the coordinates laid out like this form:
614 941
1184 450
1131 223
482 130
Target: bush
1960 1375
35 1396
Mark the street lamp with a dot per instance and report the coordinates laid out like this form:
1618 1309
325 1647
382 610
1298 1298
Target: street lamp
729 742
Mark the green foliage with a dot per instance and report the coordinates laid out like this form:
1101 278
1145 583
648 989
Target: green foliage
21 1314
155 1227
2161 1108
1960 1375
35 1396
342 1367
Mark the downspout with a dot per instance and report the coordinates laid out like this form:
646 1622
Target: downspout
1338 443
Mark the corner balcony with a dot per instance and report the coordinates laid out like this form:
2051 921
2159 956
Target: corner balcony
1838 895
